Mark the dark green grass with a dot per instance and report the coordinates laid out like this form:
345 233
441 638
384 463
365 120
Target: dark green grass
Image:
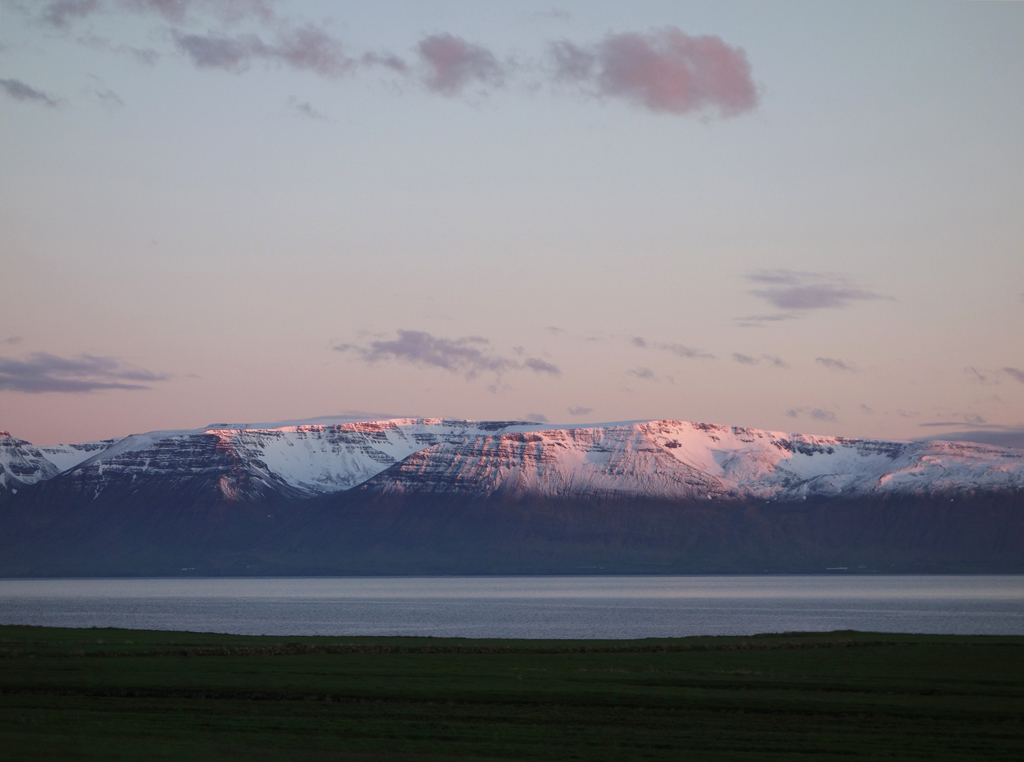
129 694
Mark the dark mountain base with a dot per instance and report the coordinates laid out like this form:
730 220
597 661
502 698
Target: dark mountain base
165 531
417 535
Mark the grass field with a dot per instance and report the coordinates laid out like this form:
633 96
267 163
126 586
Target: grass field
130 694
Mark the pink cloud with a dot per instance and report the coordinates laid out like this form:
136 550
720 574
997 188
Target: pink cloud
453 63
664 71
313 49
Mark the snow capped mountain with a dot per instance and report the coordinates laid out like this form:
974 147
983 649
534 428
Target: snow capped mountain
299 460
681 460
315 459
22 464
437 496
662 459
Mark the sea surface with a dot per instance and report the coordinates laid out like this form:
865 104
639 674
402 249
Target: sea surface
526 607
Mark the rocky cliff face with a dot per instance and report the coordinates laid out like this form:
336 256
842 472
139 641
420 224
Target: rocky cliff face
238 462
435 496
684 461
22 464
656 459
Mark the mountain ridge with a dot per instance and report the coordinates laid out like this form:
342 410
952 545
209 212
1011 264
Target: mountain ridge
442 496
658 458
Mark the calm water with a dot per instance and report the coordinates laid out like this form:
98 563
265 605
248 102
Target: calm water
525 607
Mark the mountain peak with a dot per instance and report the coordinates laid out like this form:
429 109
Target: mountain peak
668 459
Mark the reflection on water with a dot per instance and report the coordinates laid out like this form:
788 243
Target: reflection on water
526 607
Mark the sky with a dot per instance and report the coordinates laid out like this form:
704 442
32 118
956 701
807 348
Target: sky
797 216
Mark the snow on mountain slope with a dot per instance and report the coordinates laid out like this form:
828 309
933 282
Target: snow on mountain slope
303 459
130 444
677 459
317 458
70 455
940 466
669 459
21 463
576 462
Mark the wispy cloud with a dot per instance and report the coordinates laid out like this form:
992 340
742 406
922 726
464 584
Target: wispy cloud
682 350
386 60
966 419
576 411
992 434
469 355
540 366
15 88
43 372
144 56
209 51
62 13
463 355
304 108
643 373
976 375
833 364
745 359
665 70
452 64
759 321
791 291
815 413
109 99
772 360
1015 373
991 377
537 417
679 350
306 48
